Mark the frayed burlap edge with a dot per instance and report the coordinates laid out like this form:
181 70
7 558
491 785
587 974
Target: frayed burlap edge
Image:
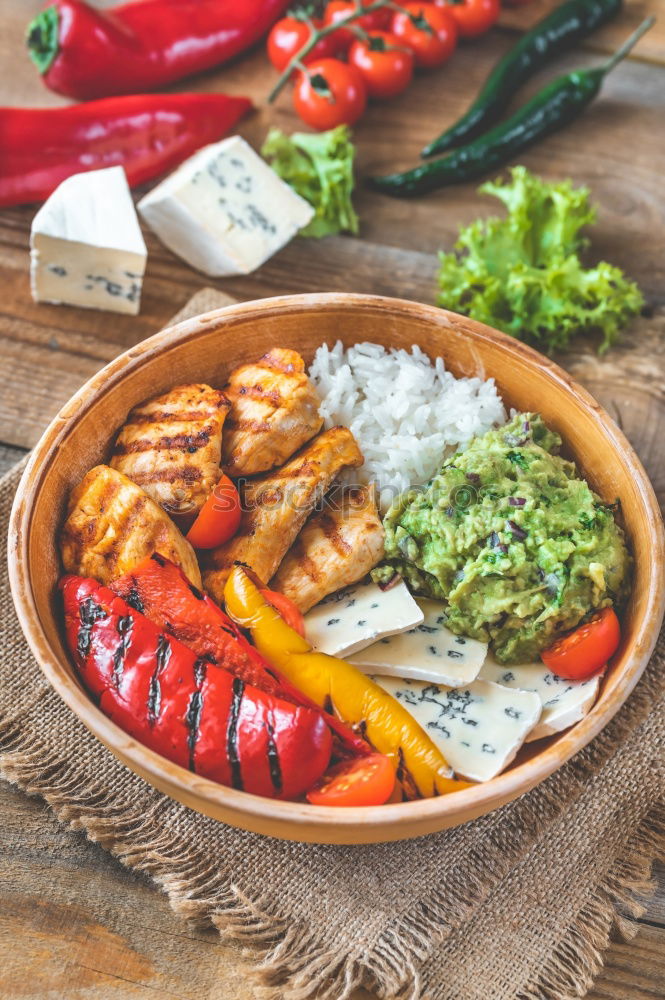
615 906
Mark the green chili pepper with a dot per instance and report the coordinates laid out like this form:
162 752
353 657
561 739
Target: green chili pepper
553 107
566 24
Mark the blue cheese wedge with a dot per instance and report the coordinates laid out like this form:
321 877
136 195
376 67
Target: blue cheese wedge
357 616
564 702
478 728
429 652
225 211
86 245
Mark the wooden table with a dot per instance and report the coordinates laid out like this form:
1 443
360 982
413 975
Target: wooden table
73 922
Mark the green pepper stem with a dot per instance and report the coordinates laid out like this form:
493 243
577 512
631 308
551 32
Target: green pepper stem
629 44
42 38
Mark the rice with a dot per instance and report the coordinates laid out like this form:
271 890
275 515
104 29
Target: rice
406 412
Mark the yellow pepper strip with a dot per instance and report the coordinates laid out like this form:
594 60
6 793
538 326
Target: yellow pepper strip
337 685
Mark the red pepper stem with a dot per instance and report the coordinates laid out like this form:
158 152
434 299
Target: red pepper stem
320 33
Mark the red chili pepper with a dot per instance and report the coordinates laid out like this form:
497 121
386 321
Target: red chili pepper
83 52
193 712
147 134
160 590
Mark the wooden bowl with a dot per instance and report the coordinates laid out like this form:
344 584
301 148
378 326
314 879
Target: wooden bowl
206 349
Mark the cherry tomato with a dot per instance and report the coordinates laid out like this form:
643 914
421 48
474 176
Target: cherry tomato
219 517
474 17
330 93
429 31
363 781
385 63
337 10
584 651
288 37
287 609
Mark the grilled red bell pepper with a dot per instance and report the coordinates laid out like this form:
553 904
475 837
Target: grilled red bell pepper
83 52
146 134
161 591
193 712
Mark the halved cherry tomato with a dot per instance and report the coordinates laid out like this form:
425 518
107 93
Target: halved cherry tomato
288 37
363 781
219 517
584 651
429 31
337 10
474 17
287 609
385 63
330 93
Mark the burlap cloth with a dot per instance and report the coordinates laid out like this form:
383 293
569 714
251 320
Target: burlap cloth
519 904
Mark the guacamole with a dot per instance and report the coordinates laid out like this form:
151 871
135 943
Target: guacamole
511 539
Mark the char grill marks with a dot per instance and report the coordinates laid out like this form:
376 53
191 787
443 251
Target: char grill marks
195 710
89 613
162 657
274 411
112 526
171 446
277 505
337 547
232 733
273 759
124 627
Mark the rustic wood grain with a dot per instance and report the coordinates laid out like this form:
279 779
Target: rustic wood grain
73 922
608 38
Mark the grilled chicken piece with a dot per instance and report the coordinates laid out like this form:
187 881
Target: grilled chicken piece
112 525
276 506
274 411
337 547
171 446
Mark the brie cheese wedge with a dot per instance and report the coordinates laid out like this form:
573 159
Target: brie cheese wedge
478 728
86 245
357 616
225 211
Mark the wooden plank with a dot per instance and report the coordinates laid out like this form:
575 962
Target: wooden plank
103 933
607 38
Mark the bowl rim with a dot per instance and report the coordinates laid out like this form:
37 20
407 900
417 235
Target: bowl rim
479 798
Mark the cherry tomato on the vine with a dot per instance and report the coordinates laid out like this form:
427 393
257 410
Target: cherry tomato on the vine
386 63
285 607
337 10
330 93
584 651
363 781
288 37
429 31
474 17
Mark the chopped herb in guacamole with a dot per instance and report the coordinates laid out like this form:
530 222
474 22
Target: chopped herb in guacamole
511 539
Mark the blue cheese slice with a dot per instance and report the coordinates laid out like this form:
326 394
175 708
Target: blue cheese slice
86 245
357 616
225 211
564 702
429 652
478 728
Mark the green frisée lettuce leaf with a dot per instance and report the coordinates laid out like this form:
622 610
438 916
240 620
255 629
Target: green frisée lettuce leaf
319 167
523 273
